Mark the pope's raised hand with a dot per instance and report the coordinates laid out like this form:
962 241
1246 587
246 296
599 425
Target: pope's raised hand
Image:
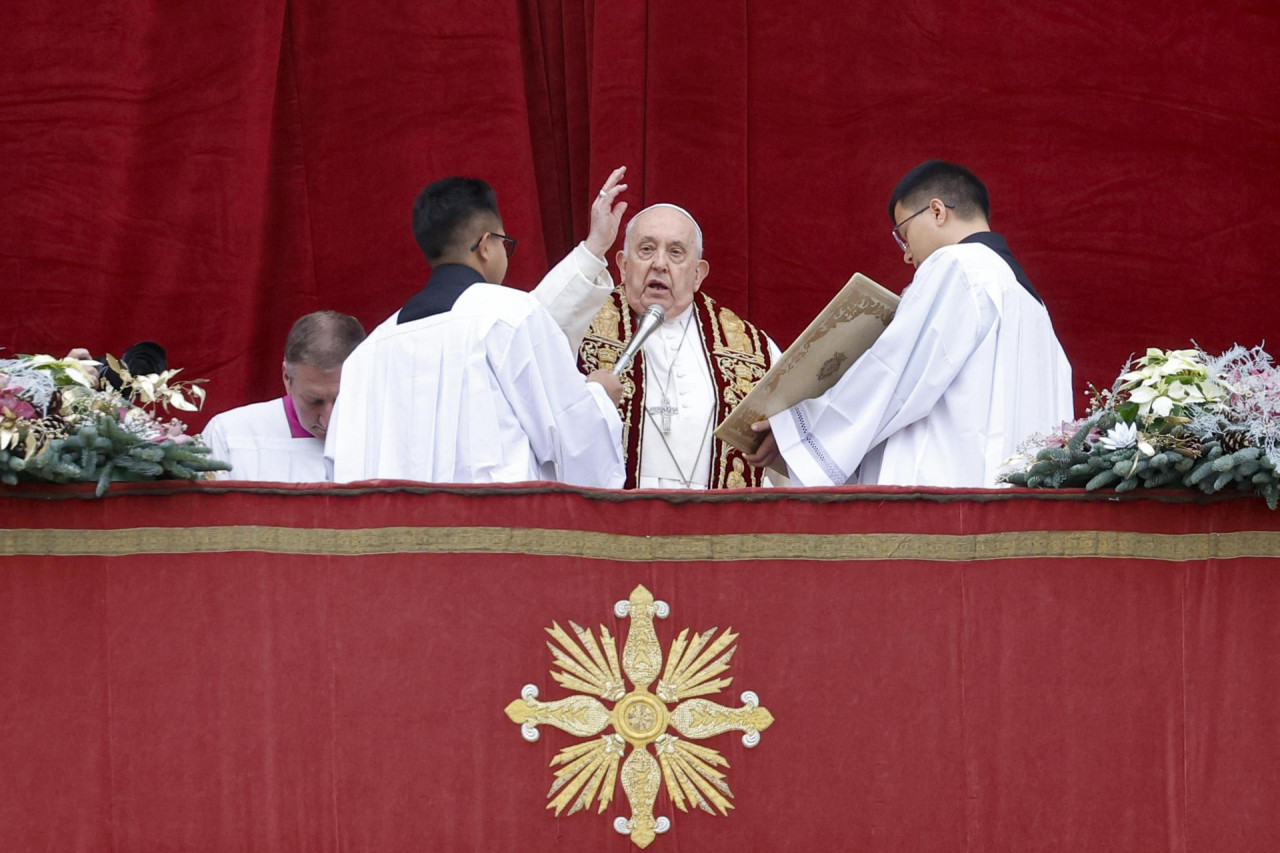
606 215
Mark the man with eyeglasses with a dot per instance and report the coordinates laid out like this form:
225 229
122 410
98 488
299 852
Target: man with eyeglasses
968 369
473 382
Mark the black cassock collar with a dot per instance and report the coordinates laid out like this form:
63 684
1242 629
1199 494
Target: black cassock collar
446 284
997 244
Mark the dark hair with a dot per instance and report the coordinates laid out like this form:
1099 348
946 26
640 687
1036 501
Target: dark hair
444 208
142 359
952 183
323 340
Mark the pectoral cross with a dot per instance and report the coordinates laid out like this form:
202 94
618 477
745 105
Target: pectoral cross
666 410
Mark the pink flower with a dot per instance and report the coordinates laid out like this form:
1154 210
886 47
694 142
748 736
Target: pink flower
174 431
1064 432
14 405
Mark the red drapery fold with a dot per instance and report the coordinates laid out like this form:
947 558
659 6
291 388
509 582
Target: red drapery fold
204 175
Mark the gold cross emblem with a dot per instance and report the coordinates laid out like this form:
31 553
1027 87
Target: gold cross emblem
589 771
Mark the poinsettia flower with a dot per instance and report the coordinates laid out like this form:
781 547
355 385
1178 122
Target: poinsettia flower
73 369
1143 394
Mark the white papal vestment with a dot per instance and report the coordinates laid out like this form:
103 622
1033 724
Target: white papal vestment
487 392
261 445
968 369
675 362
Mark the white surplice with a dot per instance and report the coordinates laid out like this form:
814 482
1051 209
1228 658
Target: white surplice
487 392
258 442
574 291
968 369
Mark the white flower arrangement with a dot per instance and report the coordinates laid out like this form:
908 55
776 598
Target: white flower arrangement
61 423
1177 418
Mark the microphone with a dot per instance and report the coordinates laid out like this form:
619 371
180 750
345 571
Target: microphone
649 323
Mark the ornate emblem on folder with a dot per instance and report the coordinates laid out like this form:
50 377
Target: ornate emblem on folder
640 722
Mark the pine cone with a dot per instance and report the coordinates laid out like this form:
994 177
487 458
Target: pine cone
51 428
1188 444
1235 440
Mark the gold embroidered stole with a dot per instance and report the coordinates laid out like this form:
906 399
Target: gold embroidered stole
736 354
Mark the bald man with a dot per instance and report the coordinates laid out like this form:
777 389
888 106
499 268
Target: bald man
690 373
282 440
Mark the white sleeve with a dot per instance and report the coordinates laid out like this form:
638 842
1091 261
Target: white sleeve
346 445
574 291
568 423
215 436
939 323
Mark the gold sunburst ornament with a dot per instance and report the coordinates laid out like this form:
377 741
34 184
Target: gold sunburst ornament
589 770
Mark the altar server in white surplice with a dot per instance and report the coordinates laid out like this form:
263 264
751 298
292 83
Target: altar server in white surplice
968 368
282 440
473 382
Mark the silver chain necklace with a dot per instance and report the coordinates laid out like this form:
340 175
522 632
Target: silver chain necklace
666 410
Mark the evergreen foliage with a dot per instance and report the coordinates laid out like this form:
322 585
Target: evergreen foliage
101 451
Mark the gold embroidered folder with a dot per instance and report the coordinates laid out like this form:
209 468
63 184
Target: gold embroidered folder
845 329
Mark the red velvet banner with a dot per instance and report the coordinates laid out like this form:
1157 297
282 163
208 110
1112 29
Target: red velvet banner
204 173
196 667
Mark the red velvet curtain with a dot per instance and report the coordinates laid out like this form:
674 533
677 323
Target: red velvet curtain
204 173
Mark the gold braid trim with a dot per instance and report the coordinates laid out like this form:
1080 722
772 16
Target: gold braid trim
738 359
619 547
604 342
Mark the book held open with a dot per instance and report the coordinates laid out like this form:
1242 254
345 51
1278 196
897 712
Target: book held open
836 338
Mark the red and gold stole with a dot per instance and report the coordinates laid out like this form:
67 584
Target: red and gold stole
737 357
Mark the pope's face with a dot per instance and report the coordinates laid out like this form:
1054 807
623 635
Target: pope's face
660 263
313 391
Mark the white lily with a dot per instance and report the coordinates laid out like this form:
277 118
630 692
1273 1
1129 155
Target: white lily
1120 436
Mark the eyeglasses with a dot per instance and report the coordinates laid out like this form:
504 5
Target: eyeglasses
508 243
897 229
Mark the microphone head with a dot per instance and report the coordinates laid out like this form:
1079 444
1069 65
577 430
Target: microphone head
653 316
650 320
